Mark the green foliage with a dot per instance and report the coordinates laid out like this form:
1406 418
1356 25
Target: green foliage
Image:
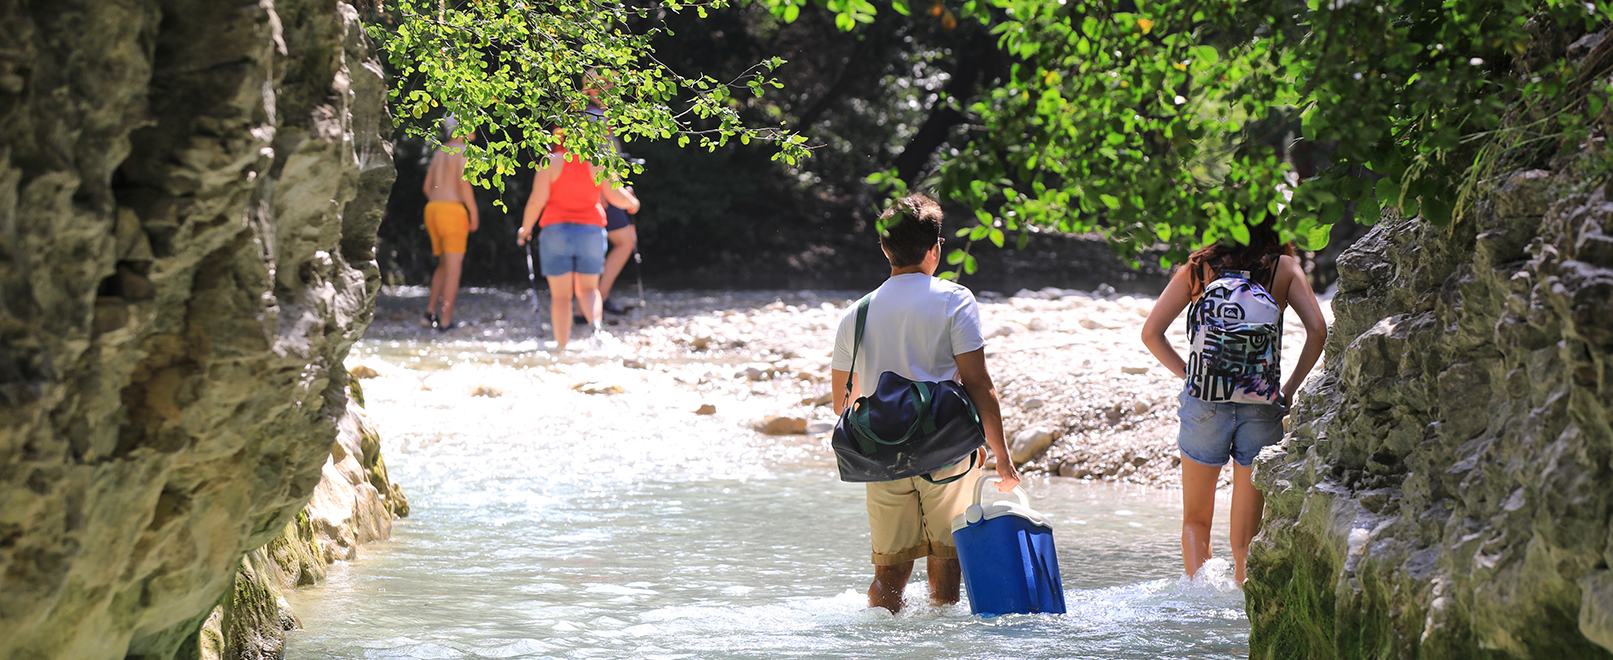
517 73
1164 121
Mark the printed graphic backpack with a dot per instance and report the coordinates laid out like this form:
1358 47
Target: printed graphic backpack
1236 332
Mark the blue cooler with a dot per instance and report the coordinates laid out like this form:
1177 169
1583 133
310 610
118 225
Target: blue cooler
1006 551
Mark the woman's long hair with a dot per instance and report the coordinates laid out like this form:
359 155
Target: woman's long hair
1261 254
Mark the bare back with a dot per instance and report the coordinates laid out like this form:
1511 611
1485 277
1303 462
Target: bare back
444 176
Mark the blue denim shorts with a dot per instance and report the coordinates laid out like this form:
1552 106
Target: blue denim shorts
1213 432
568 247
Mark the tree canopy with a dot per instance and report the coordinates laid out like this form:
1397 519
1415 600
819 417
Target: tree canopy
1157 123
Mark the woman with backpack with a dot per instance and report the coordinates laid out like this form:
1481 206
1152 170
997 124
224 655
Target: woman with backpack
1232 401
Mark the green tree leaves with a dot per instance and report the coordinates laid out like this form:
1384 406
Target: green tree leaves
1166 122
524 73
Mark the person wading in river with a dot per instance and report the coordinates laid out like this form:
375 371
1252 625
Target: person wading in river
451 216
924 329
1231 403
571 245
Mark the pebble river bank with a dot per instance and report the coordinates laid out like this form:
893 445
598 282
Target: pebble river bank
1081 396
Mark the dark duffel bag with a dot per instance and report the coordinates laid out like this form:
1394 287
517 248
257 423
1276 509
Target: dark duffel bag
904 428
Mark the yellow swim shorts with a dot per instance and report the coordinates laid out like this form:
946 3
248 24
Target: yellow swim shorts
449 226
912 518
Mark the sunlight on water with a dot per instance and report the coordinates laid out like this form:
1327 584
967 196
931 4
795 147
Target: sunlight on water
552 524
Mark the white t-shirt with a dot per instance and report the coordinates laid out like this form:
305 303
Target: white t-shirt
916 324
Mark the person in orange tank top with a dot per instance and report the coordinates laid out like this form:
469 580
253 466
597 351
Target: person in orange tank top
566 204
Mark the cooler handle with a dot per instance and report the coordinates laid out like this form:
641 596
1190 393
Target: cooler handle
980 487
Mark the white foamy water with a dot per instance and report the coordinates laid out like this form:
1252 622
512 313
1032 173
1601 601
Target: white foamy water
548 523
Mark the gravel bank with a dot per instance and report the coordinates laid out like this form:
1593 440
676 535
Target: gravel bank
1082 398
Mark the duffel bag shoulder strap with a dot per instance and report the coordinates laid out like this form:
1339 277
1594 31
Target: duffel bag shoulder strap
856 344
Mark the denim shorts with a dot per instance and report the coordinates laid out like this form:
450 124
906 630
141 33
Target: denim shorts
568 247
1213 432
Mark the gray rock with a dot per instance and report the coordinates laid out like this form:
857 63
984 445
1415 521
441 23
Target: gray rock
171 375
1032 404
1030 443
1444 486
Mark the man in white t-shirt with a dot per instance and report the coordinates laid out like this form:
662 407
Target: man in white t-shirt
926 329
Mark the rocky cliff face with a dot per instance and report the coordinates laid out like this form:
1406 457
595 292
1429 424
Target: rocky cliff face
188 205
353 504
1445 490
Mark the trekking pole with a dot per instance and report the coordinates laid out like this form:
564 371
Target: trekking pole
638 271
532 277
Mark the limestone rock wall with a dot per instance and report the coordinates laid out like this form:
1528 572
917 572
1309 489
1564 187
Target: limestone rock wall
354 503
188 204
1445 491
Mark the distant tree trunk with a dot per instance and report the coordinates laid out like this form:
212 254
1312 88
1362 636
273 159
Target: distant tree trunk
979 55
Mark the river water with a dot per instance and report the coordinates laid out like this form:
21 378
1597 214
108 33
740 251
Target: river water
548 523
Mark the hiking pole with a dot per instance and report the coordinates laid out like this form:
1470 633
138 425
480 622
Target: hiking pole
532 276
638 271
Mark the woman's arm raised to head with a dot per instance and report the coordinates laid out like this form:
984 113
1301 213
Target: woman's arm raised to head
1303 300
1171 302
620 196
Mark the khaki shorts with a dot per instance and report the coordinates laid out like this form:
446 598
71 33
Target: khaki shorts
912 518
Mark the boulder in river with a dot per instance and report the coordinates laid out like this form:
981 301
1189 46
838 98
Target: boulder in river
782 425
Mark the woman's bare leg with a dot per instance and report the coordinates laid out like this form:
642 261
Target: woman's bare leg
587 289
560 287
621 247
1248 503
1198 510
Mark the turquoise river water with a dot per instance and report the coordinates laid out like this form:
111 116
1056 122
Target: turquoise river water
552 524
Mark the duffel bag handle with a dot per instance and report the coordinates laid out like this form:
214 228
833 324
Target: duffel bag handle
922 396
973 456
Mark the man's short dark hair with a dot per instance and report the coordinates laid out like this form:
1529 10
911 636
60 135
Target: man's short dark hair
910 228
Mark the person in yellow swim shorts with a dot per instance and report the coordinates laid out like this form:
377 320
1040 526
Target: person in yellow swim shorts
451 216
449 226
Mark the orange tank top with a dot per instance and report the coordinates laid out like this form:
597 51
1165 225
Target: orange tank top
573 196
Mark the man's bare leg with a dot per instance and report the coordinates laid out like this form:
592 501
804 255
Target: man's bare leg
889 583
451 266
945 576
438 277
560 289
621 247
